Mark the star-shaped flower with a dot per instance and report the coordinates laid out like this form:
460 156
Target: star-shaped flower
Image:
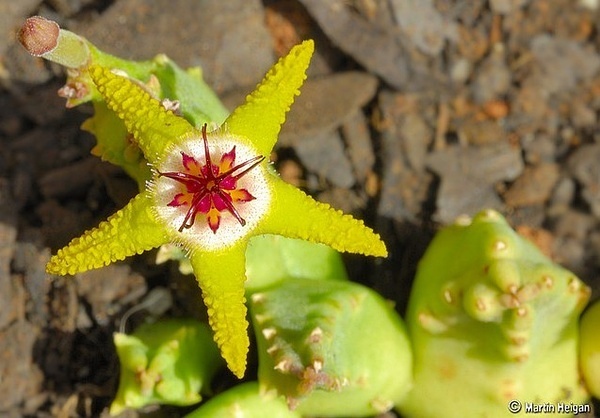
210 193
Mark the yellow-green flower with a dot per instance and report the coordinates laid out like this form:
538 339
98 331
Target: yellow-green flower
210 193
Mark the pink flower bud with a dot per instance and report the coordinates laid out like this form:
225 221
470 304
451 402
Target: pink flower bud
39 35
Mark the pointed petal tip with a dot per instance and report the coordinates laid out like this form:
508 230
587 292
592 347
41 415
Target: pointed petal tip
238 368
69 261
132 230
364 240
378 247
55 267
261 117
297 215
221 276
305 47
231 338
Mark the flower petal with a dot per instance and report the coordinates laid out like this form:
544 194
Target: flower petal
228 183
205 203
190 164
227 161
220 201
297 215
153 127
241 195
221 276
132 230
261 117
213 217
180 199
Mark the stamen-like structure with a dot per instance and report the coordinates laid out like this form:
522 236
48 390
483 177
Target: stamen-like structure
211 188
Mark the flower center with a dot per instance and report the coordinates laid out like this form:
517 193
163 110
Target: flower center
211 189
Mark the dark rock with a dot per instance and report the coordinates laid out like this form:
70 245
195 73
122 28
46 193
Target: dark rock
506 6
583 164
404 140
31 263
572 230
493 77
539 149
403 191
325 103
324 155
457 196
23 68
570 253
480 132
289 23
227 39
9 300
497 162
562 197
63 310
12 15
423 26
416 136
104 288
70 179
533 187
574 224
582 115
60 224
595 247
468 176
20 378
355 132
44 106
562 63
374 47
70 7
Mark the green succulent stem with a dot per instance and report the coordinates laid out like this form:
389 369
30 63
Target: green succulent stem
590 348
247 401
491 320
332 348
167 362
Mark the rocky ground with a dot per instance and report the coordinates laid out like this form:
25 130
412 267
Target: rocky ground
415 112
